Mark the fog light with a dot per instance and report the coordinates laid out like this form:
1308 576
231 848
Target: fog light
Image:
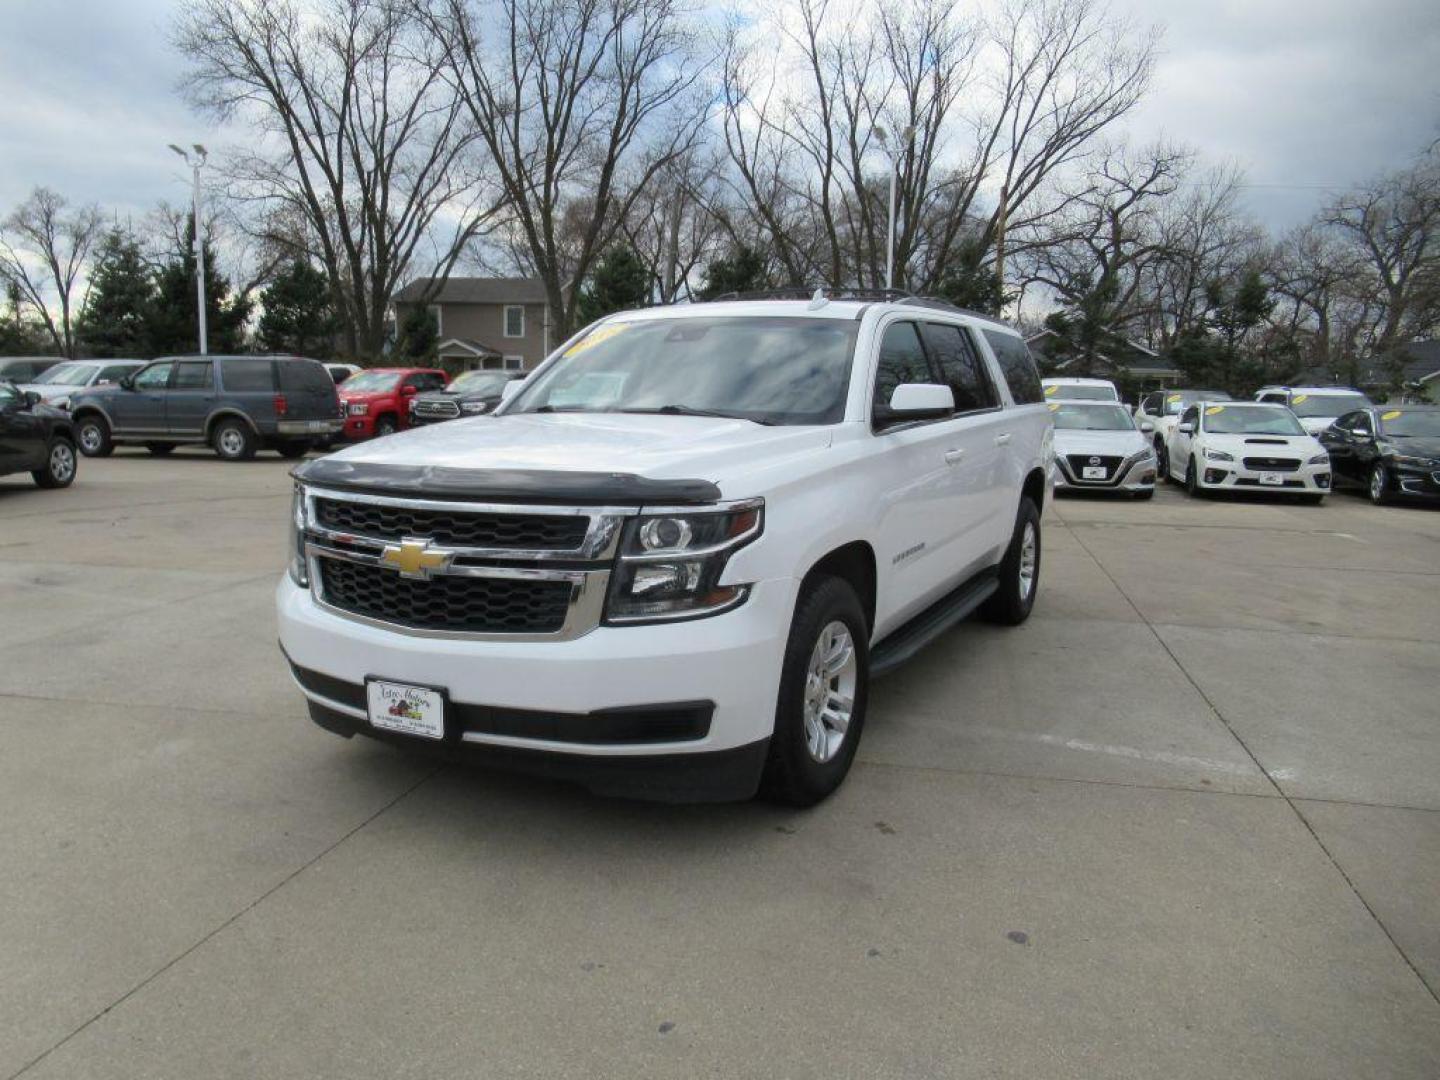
1215 476
1322 479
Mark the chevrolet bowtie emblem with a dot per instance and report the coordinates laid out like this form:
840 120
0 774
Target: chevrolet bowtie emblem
416 558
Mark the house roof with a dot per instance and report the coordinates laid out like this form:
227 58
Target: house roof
1422 360
477 290
470 345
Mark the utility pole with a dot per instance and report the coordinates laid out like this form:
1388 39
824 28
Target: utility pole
195 165
1000 242
882 135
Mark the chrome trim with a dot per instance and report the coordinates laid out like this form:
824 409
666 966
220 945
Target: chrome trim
601 537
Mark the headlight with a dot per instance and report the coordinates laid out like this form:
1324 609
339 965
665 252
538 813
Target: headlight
474 408
59 402
358 408
1414 462
1218 455
671 563
1319 459
298 571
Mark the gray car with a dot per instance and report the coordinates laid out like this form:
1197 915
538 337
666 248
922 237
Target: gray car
1099 447
236 404
59 383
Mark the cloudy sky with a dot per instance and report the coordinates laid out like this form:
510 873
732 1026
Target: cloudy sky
1304 96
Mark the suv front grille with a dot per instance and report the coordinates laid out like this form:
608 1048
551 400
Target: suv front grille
477 605
530 532
1272 464
1080 462
446 409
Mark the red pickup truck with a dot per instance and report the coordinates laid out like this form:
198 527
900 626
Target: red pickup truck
377 400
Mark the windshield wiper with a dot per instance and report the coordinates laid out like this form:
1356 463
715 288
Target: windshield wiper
686 410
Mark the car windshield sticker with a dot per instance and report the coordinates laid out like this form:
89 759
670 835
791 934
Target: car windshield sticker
1298 398
604 333
1213 409
1051 390
1393 414
1174 398
1055 407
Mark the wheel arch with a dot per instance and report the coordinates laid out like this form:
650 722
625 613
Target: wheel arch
853 563
214 419
1034 488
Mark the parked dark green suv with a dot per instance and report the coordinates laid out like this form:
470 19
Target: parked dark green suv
237 404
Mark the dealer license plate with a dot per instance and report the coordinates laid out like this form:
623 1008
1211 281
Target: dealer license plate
1275 479
1094 472
411 710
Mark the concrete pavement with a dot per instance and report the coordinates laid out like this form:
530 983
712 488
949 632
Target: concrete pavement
1185 822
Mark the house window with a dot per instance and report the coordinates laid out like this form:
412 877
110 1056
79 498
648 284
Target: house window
514 363
437 315
514 320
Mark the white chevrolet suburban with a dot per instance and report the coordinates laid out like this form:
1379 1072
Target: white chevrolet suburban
670 563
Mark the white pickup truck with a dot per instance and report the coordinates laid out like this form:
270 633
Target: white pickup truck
670 563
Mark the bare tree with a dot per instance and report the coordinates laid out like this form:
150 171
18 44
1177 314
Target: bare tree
45 246
580 105
370 144
677 223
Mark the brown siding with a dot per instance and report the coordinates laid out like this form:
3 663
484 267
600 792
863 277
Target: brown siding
485 323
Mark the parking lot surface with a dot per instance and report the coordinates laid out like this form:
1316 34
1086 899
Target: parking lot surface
1185 822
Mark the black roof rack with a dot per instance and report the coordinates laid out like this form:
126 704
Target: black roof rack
893 296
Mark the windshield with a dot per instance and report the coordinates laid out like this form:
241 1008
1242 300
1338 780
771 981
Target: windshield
66 375
479 382
1069 417
770 369
371 381
1411 423
1251 420
1178 401
1071 392
1327 404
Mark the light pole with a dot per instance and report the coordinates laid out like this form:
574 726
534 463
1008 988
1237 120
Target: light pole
883 136
196 165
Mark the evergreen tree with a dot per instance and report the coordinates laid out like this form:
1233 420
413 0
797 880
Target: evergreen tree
113 320
741 269
171 325
969 284
419 335
299 315
20 334
618 283
1217 353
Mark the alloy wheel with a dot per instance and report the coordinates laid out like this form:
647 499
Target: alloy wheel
62 462
830 682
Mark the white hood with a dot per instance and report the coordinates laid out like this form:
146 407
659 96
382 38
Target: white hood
1123 443
659 447
1301 446
1316 424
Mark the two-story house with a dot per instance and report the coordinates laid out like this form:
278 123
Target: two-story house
487 323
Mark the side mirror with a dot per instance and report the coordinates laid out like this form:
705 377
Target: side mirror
127 382
1147 427
510 389
921 401
1186 428
408 391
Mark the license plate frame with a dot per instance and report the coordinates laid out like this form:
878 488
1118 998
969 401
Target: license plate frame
1272 479
1094 472
406 709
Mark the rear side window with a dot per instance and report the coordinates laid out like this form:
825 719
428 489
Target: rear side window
114 373
240 376
194 375
1017 365
961 368
299 375
427 380
902 360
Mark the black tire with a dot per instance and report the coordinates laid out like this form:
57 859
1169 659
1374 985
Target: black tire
60 464
1162 461
160 449
1192 480
793 774
1378 487
292 450
1012 602
385 425
233 440
92 434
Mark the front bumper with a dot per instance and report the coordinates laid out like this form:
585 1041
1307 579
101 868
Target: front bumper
730 661
1415 482
1235 476
1137 477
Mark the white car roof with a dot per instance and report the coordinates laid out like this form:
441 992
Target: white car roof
1058 381
1316 391
831 309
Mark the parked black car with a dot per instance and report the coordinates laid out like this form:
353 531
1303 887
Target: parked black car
23 369
237 404
35 438
469 394
1392 451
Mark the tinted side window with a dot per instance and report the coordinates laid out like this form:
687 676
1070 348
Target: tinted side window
1360 421
426 380
1191 415
902 360
240 376
1151 404
304 375
1274 399
114 373
194 375
1017 365
961 368
154 377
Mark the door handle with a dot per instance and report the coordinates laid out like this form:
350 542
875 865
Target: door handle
1002 438
952 457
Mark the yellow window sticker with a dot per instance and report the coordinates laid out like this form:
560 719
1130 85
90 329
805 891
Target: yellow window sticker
1054 406
1213 409
1174 398
595 337
1298 398
1393 414
1051 390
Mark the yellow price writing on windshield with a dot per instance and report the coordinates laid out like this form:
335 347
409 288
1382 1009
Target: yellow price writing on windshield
1174 398
1393 414
1213 409
1298 398
1054 406
1051 390
595 337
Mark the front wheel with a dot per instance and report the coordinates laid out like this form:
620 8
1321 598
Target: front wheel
386 425
1379 486
823 687
1192 479
59 468
93 435
1011 603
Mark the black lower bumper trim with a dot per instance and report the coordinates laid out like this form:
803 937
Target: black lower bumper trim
715 776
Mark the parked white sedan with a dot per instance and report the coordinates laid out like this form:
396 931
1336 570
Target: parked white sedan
1098 447
1079 389
1247 447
